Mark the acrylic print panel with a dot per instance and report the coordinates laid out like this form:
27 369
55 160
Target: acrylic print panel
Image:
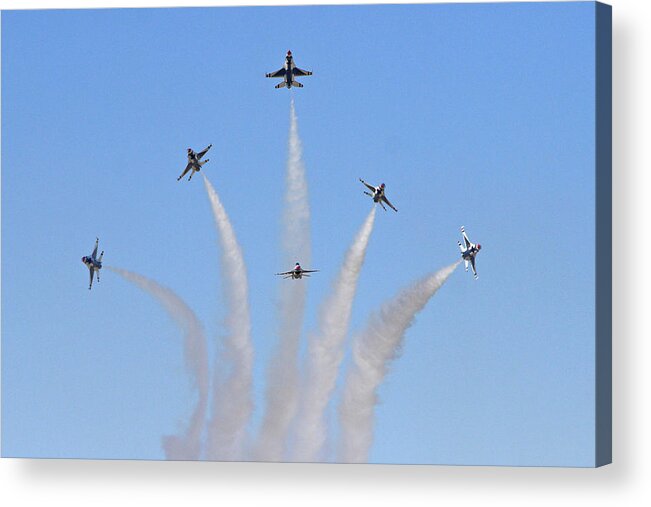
495 117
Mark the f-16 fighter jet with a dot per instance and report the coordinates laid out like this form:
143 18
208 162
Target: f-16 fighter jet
378 195
297 273
93 263
289 72
194 162
469 252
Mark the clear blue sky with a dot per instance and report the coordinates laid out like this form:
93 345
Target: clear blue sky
481 115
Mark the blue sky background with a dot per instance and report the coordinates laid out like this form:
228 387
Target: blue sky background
481 115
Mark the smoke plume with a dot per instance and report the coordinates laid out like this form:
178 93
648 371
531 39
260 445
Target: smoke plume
188 445
232 403
373 351
325 349
283 375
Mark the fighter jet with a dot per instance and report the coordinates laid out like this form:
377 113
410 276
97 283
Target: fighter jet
194 162
378 195
289 72
469 252
93 263
297 273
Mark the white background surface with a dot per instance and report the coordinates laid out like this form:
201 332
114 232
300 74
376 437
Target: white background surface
627 481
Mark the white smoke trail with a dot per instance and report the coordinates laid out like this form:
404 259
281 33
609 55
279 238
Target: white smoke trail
188 445
283 375
232 397
325 350
373 351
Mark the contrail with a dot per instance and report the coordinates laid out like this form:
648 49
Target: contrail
232 393
325 349
283 375
188 445
373 351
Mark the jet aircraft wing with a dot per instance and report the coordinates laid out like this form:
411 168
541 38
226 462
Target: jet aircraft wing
465 238
285 273
300 72
94 254
390 205
185 171
370 187
310 270
203 152
472 264
278 73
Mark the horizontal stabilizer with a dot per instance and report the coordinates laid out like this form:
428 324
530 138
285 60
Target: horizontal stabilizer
282 84
297 84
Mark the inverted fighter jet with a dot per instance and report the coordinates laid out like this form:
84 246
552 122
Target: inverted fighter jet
93 263
194 162
297 273
378 195
288 73
469 252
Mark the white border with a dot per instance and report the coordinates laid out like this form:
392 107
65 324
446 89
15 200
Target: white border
626 482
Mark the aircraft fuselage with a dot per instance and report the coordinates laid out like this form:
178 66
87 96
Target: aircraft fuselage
470 252
192 159
91 263
289 71
297 273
